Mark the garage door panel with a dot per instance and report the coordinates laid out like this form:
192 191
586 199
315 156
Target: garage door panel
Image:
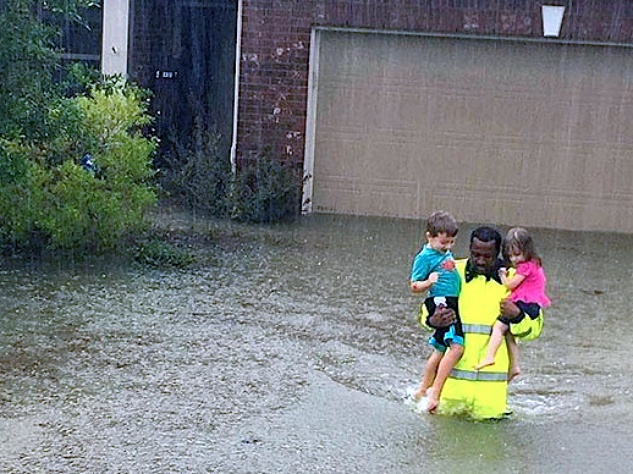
506 132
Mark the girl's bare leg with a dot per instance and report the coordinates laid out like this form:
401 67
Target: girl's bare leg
498 331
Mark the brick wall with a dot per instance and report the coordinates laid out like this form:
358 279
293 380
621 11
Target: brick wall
275 48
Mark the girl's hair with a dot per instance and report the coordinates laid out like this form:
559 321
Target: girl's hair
519 239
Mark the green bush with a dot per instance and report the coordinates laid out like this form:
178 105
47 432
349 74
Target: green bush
156 253
47 197
198 173
266 191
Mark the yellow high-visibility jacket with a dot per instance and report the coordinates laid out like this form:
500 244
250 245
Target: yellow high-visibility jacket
481 394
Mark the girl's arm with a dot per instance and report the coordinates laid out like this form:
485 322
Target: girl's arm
511 282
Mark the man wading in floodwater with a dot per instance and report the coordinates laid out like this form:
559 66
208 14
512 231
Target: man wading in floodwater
481 394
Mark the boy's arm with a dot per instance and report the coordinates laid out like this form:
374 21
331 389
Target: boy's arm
421 286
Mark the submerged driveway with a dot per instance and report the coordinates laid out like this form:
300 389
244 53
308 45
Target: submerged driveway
288 349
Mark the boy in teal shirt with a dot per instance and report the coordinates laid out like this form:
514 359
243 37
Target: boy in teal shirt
434 271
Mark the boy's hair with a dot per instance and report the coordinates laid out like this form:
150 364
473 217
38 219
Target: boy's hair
441 222
519 239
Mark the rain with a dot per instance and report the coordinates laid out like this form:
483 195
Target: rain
291 347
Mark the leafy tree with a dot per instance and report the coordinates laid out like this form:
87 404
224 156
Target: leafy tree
28 60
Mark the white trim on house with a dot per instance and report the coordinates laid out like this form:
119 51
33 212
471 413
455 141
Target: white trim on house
308 156
518 39
236 97
114 44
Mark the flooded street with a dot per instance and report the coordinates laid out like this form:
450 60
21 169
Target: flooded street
289 350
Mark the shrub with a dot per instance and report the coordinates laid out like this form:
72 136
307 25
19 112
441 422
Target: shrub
46 193
198 173
47 198
266 191
157 253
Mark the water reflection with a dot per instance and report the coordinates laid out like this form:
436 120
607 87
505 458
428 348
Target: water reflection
293 347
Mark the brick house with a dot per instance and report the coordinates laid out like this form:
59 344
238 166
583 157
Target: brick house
505 111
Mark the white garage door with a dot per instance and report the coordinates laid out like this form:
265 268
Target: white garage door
531 134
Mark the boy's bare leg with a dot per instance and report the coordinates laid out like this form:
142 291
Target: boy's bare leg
428 376
498 331
513 354
447 363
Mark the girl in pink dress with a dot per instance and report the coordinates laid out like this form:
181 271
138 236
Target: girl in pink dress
527 287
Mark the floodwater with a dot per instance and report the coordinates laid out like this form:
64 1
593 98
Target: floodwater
289 350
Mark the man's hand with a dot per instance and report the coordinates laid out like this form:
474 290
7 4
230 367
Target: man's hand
509 309
441 318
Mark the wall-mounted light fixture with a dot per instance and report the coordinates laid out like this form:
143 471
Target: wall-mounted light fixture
552 20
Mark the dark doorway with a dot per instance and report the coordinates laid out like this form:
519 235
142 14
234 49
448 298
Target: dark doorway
184 51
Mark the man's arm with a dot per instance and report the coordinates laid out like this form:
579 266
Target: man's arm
441 318
509 309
